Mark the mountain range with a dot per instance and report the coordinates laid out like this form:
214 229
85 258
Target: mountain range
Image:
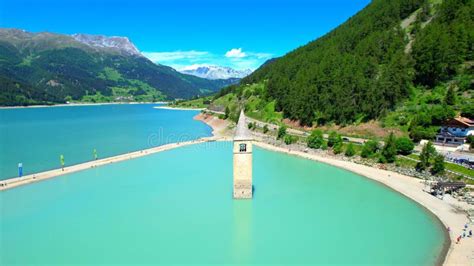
215 72
46 68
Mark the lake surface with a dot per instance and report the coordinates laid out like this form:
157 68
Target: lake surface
37 137
177 207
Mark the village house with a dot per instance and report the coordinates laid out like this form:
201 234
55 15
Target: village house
455 131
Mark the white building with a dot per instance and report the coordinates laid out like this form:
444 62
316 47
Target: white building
455 131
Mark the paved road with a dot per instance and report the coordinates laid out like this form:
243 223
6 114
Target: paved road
301 133
292 131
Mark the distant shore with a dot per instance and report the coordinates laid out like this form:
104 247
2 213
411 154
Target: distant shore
179 108
74 104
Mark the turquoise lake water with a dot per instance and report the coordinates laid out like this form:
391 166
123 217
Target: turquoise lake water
177 207
37 137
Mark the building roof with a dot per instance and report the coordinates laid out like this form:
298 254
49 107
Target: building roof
242 131
462 122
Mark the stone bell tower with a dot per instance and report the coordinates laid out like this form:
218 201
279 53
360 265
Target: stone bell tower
242 160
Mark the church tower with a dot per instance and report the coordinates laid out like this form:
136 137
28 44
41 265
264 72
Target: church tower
242 160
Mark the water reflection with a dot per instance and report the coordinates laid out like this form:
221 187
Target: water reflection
242 233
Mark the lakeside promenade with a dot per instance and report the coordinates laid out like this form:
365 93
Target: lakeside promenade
27 179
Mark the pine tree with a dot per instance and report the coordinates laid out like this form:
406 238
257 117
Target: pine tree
438 165
426 154
338 145
389 150
227 112
450 98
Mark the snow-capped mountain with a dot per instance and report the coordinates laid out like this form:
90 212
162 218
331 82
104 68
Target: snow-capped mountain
215 72
121 44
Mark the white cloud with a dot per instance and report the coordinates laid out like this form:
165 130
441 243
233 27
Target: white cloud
235 53
234 58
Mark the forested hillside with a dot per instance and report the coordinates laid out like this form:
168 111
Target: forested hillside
52 68
394 60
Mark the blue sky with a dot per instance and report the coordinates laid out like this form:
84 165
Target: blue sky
240 34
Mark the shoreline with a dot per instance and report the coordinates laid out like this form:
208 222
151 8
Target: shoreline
74 104
178 108
217 125
446 212
36 177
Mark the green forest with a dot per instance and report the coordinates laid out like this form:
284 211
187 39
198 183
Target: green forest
407 63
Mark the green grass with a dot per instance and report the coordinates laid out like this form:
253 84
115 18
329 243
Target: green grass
451 166
263 111
405 163
196 103
460 169
357 147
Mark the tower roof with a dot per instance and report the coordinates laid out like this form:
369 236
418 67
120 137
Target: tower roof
242 132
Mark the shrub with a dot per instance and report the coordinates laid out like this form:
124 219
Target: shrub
418 133
289 139
332 138
281 132
404 145
315 140
265 129
350 150
337 148
227 112
369 149
324 146
250 125
470 140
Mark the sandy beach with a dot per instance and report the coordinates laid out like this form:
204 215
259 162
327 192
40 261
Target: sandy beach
449 211
220 128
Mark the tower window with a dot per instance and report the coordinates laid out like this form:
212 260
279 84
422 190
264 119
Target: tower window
243 147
